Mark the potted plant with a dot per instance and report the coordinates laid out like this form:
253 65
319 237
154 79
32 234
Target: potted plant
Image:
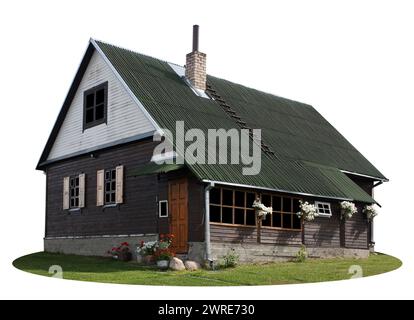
121 252
146 250
163 257
307 211
348 209
370 212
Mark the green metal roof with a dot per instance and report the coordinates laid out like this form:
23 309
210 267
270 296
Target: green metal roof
296 132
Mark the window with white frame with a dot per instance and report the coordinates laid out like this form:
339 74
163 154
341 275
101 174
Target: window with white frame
163 208
324 209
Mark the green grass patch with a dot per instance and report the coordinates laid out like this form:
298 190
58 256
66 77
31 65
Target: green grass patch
107 270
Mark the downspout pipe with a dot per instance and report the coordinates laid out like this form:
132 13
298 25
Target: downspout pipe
207 222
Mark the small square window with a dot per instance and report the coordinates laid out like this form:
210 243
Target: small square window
163 209
324 209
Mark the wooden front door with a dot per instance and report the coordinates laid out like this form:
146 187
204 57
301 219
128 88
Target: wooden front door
178 200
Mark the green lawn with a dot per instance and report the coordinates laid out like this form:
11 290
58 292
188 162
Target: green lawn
111 271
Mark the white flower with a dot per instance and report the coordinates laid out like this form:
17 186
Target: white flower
370 211
307 211
348 209
262 210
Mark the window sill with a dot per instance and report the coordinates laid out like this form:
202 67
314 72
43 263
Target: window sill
324 215
112 205
74 210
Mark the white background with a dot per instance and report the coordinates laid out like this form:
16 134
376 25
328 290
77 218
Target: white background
352 60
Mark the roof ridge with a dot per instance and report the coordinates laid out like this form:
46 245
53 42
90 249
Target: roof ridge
136 52
209 75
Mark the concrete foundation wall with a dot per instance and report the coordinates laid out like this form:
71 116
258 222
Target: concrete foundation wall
251 253
94 246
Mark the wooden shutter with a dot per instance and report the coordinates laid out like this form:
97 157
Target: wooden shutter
66 193
119 184
82 190
100 175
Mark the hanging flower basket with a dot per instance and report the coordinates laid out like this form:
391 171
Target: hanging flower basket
307 211
348 209
370 212
261 210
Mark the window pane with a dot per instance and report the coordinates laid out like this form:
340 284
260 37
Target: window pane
239 216
108 175
100 94
266 200
277 204
277 219
215 196
214 214
76 202
250 199
267 222
296 222
113 172
113 197
108 186
287 221
107 197
287 204
227 197
250 218
239 198
113 185
163 209
99 112
77 192
89 116
90 100
227 215
296 205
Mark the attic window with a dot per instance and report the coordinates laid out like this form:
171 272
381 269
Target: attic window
95 102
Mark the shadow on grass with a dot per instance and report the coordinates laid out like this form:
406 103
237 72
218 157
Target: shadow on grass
73 263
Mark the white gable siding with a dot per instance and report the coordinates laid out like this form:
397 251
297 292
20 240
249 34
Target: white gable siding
124 119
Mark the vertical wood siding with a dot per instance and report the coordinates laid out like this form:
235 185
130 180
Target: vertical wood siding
124 119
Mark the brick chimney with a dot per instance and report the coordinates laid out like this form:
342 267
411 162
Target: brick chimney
195 67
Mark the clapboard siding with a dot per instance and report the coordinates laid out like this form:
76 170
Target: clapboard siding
138 213
356 230
223 233
124 118
324 231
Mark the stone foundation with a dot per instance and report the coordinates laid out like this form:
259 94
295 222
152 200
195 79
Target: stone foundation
93 246
253 253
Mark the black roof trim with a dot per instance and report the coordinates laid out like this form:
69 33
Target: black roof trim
66 105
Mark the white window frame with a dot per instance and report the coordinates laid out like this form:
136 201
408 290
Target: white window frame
328 215
159 208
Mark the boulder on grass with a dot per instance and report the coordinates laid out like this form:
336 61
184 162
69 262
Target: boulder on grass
177 264
192 265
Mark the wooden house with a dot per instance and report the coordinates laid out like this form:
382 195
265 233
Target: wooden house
103 186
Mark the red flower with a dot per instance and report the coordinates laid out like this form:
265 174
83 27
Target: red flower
125 244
